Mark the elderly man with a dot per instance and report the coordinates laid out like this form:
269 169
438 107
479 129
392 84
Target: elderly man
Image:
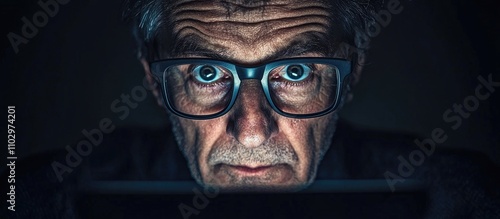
253 87
253 90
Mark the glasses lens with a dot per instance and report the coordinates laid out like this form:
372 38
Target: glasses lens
304 88
198 89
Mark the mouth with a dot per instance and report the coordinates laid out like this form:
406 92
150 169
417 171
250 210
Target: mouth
252 175
249 171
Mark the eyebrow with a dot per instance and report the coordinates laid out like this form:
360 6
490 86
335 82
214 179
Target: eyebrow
194 45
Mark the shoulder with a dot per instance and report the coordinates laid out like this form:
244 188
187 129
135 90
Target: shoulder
369 153
138 153
47 184
460 182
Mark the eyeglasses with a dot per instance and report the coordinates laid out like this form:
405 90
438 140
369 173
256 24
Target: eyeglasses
205 88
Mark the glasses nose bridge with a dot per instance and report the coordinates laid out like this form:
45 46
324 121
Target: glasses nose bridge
250 72
255 73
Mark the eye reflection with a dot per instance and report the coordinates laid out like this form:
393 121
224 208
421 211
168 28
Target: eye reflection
207 74
296 72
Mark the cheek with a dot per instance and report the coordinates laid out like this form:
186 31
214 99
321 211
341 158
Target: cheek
199 138
198 133
309 138
209 133
323 130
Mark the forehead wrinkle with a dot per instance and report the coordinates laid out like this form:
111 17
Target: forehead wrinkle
216 20
213 14
267 48
305 43
241 37
248 33
242 4
266 8
194 45
314 25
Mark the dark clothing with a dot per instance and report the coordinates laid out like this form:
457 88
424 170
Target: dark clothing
460 184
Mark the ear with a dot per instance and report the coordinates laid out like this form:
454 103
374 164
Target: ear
358 60
357 57
152 82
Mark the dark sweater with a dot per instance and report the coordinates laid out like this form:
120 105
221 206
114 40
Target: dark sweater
460 184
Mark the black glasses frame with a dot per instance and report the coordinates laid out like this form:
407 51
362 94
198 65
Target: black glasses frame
260 72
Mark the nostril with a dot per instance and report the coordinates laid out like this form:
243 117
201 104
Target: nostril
250 127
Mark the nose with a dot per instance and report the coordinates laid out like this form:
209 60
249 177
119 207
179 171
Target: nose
251 121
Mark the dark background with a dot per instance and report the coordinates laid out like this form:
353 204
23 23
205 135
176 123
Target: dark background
427 59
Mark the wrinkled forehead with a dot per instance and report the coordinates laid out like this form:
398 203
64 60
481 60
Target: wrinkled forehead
249 31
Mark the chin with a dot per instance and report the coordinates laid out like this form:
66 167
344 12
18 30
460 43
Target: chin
254 187
259 188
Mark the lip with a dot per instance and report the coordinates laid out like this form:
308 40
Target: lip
252 175
246 170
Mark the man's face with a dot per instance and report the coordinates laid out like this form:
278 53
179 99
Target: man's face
252 147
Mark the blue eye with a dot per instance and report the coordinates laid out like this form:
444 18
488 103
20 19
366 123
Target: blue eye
207 73
296 72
